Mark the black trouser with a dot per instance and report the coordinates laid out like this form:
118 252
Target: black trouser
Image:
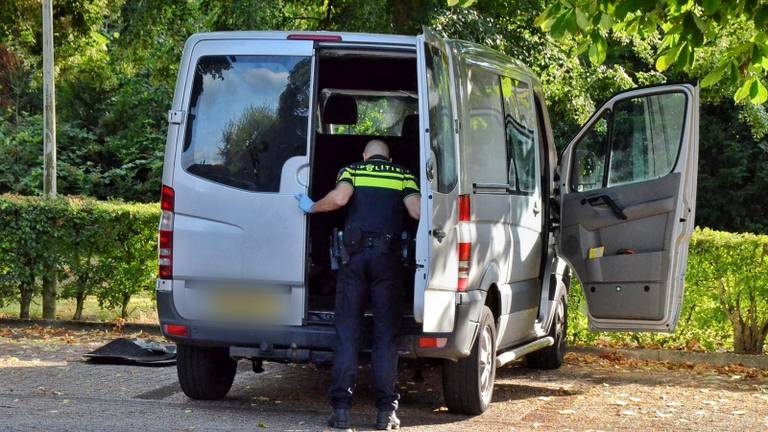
373 273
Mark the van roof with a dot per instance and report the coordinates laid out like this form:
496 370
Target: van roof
283 35
469 50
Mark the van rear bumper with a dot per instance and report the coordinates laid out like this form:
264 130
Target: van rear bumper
315 342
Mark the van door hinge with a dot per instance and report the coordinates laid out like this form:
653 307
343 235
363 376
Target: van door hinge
456 125
175 116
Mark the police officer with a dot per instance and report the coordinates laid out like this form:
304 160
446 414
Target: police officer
376 191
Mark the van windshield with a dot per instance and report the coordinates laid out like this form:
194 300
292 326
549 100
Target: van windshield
247 116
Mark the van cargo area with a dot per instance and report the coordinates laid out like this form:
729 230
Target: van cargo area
361 95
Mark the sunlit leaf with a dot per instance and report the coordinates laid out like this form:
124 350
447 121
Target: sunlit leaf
605 21
714 76
581 19
598 49
758 94
743 91
668 58
545 20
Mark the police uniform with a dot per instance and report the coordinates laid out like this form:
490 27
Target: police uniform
375 214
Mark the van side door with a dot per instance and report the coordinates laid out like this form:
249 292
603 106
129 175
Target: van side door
435 296
628 191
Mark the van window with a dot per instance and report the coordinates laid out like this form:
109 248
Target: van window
646 137
247 116
487 145
589 157
519 123
643 137
378 113
441 118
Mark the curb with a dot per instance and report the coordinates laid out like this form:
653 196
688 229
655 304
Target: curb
153 329
756 361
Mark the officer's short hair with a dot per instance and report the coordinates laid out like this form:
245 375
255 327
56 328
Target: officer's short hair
376 147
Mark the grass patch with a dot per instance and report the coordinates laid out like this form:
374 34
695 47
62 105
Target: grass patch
141 309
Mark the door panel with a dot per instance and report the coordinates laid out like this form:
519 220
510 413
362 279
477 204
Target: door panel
437 106
628 201
240 161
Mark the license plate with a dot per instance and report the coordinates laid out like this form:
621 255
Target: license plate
246 306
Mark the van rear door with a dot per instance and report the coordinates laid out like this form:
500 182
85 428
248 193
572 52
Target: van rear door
628 200
239 237
435 296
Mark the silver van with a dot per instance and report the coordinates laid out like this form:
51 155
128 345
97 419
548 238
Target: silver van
260 116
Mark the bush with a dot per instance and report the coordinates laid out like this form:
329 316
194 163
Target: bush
102 248
725 307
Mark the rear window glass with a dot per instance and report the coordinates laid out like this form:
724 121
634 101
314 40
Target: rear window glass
382 115
247 116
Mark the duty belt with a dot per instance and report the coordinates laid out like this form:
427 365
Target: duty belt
375 240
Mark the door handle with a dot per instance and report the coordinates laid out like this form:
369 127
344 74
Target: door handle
438 234
300 179
617 210
430 169
536 208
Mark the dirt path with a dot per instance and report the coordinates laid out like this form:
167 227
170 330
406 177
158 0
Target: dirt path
45 386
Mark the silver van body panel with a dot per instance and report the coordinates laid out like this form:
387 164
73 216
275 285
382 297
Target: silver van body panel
220 236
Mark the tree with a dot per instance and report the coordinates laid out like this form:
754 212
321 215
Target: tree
680 31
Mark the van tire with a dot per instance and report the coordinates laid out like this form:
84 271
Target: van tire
463 388
205 373
551 357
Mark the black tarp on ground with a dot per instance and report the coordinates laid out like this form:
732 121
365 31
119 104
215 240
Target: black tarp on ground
133 352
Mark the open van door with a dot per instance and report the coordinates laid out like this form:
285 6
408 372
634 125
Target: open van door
435 291
628 187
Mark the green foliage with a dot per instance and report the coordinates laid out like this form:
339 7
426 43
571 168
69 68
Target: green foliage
725 307
681 30
732 269
107 249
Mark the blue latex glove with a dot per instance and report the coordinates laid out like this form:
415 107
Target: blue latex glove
305 202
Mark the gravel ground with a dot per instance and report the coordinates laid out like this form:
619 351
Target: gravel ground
45 386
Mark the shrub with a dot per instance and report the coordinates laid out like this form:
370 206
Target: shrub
102 248
725 305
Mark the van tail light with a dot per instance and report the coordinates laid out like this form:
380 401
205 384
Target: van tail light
465 246
432 342
176 330
165 239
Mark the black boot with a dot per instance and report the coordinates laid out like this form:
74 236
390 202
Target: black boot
339 419
387 420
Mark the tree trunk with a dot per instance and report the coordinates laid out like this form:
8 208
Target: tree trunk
124 306
745 341
25 299
50 285
79 302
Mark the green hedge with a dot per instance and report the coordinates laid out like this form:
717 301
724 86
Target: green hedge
725 307
107 249
101 248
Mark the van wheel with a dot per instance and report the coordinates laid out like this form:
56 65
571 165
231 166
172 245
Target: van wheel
468 382
205 373
551 357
